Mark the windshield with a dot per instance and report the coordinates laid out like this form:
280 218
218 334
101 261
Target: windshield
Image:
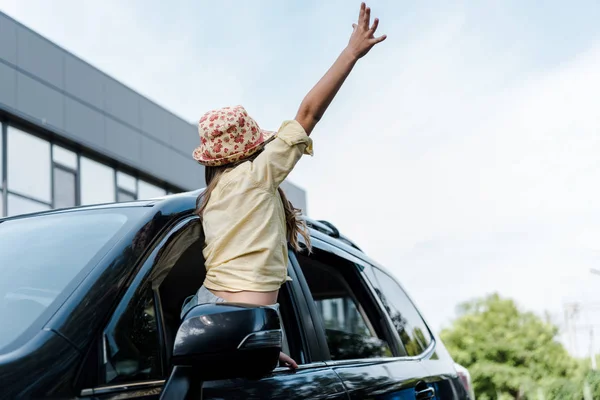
41 255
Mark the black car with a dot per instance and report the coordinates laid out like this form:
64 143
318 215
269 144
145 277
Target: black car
90 302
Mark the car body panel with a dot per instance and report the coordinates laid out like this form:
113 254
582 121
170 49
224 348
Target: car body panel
46 366
316 381
58 354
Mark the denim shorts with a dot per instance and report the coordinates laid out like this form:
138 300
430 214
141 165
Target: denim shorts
205 296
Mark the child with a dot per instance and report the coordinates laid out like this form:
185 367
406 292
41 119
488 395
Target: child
247 220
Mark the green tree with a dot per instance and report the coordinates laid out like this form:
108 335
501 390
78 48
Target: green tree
512 354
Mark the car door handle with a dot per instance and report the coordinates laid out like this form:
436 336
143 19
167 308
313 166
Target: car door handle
425 394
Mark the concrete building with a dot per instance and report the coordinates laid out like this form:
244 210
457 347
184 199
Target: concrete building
72 135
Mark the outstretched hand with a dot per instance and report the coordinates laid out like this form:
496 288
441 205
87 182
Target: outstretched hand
318 99
363 36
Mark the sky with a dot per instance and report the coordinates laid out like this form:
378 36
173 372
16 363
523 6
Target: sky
462 152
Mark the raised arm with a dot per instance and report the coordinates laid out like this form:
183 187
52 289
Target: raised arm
318 99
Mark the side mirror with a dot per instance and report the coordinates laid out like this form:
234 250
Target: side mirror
224 341
227 340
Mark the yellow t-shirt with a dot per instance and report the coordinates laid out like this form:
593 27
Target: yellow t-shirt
244 220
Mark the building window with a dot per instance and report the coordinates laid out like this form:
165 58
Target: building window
64 157
64 185
123 196
37 175
97 182
22 205
65 182
28 166
148 191
126 187
1 169
1 161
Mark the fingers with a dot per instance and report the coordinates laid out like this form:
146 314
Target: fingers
288 361
367 18
292 364
354 27
378 39
375 25
361 14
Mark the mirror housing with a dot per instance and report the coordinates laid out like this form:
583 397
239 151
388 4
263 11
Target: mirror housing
228 340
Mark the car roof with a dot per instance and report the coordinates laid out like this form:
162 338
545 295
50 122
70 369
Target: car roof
186 202
137 203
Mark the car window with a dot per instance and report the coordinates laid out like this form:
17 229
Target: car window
135 349
407 321
133 345
41 255
349 330
131 341
179 272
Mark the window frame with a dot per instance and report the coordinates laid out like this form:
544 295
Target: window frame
141 279
365 294
143 289
8 121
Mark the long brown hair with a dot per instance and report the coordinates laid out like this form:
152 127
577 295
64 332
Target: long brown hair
294 223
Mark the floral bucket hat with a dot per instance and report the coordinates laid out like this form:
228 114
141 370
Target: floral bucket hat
228 135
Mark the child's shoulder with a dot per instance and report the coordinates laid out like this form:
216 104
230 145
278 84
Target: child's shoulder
237 176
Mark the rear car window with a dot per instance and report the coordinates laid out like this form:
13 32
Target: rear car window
41 255
349 330
413 331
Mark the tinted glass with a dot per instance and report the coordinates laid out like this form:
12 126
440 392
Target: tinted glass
132 342
349 332
40 255
28 165
18 205
97 182
406 319
64 157
64 188
341 314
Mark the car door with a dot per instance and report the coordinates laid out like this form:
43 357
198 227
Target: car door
355 334
135 346
312 380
